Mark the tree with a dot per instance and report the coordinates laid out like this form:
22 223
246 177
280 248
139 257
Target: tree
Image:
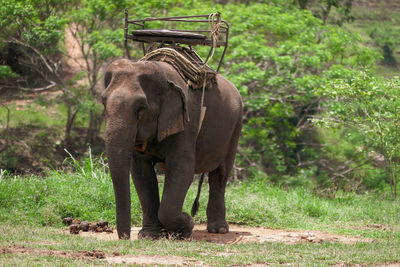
33 36
30 35
369 106
322 9
96 27
276 58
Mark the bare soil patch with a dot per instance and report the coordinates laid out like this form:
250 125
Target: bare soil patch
148 259
243 234
114 258
81 255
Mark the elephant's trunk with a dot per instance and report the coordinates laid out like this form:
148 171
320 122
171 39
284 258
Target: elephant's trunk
119 146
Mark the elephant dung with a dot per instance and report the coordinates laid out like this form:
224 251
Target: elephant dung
84 226
108 230
92 226
102 223
67 221
74 229
76 221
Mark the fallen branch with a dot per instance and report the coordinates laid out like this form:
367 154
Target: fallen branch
50 86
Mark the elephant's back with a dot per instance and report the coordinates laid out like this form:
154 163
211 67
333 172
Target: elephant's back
231 93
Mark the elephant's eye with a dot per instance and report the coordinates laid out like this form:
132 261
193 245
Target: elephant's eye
141 114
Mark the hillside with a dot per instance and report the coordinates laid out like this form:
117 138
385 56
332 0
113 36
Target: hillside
393 5
378 22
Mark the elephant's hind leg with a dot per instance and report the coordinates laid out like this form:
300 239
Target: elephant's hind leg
145 181
216 211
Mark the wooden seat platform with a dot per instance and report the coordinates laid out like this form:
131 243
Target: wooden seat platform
214 33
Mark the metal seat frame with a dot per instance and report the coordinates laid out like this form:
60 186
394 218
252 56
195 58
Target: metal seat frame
203 19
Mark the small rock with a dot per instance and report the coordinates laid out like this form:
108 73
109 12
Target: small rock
74 229
99 254
89 253
116 253
76 221
67 221
102 223
84 226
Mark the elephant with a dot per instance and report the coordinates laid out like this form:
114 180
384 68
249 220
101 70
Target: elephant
153 116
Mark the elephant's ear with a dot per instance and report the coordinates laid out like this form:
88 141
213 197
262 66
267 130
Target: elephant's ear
173 112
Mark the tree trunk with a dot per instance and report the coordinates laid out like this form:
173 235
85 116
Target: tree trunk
303 4
95 122
71 116
325 13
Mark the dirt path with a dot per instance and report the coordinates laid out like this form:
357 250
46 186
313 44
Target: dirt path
238 234
114 258
243 234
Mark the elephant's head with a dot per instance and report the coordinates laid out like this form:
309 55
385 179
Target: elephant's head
143 102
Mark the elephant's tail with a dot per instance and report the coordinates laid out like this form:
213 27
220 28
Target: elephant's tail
196 204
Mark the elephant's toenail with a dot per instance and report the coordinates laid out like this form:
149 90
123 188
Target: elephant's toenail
223 230
213 231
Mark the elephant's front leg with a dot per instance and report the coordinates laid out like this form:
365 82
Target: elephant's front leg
146 185
178 177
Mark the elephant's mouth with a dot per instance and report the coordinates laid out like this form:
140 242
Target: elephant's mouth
141 147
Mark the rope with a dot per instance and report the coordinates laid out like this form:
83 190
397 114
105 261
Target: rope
188 71
214 21
184 64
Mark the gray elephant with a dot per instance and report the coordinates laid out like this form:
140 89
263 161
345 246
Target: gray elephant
152 116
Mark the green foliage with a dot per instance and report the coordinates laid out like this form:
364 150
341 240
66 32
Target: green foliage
6 72
276 68
23 22
388 39
8 160
278 54
349 167
370 107
322 9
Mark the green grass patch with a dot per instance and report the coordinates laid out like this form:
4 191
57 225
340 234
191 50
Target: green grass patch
31 209
88 195
32 113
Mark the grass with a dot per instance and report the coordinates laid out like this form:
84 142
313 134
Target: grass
31 113
31 209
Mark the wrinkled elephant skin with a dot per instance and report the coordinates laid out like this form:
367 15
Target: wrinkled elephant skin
152 116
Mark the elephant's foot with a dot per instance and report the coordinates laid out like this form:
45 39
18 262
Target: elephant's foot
152 233
218 227
178 228
186 230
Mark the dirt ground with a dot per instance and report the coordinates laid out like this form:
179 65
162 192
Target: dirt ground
244 234
238 234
